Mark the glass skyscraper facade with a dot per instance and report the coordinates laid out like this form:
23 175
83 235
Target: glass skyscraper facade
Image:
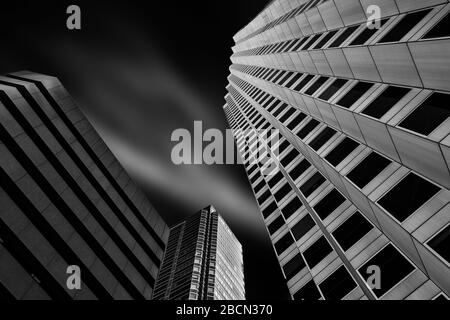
65 201
362 185
203 261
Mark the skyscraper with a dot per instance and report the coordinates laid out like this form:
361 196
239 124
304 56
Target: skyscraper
203 261
362 190
66 201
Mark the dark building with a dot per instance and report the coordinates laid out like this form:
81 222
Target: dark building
203 261
363 160
66 201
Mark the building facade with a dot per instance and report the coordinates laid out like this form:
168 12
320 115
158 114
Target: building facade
203 261
362 187
66 201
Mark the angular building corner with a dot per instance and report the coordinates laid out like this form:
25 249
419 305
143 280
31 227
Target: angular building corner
360 205
203 261
66 201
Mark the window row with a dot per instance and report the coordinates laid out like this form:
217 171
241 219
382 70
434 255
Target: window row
287 16
394 268
428 116
356 35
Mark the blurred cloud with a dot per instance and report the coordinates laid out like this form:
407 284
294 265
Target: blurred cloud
187 183
135 102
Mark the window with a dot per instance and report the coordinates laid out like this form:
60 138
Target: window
255 177
408 196
282 146
299 169
293 266
252 168
273 75
299 118
352 230
325 39
303 83
286 116
343 36
299 44
291 207
264 197
257 94
269 209
275 80
308 292
332 89
341 151
317 252
268 102
312 184
367 169
284 47
337 285
266 126
284 243
275 179
366 34
307 128
385 101
259 186
311 41
275 224
276 47
262 73
260 123
302 227
289 157
257 119
329 203
322 138
293 80
429 115
282 192
274 105
291 45
406 24
441 29
261 98
287 76
354 94
395 267
316 85
441 243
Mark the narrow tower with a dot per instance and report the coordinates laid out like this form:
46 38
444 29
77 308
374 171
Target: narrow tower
203 261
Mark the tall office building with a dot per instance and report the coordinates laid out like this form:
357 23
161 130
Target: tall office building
66 201
203 261
363 115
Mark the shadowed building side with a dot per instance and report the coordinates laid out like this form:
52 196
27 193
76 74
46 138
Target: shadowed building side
203 261
65 200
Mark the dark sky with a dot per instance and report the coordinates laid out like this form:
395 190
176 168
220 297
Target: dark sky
139 70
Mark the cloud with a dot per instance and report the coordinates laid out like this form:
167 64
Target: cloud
192 185
135 102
